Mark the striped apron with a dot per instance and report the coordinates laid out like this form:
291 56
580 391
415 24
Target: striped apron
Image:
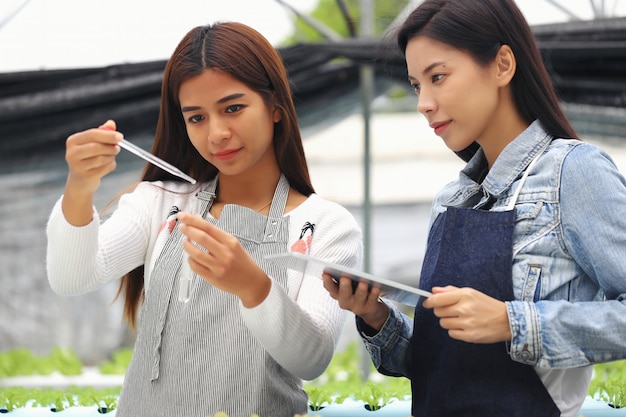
196 358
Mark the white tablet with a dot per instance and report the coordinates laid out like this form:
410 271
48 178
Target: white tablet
391 290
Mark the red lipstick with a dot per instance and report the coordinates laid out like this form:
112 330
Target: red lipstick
227 154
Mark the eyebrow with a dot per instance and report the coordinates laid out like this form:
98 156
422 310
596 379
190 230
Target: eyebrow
427 69
220 101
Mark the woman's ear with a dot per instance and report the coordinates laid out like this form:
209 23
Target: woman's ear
505 64
276 115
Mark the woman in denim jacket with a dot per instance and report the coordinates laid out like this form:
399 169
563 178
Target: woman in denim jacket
526 254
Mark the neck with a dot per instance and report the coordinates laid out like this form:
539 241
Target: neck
499 135
249 192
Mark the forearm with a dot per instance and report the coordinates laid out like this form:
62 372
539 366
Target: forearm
301 341
77 206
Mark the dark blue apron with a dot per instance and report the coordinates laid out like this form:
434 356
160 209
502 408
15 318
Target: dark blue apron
470 248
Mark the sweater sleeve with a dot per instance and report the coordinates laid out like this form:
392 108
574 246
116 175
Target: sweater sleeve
82 259
301 335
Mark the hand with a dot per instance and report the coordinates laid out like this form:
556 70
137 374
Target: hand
470 315
223 263
90 155
364 302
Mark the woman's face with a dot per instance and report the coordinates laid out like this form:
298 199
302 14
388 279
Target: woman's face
228 123
459 98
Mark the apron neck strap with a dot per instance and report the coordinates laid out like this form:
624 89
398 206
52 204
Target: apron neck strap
511 204
277 207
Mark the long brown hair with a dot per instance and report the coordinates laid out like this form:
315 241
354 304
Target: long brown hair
480 28
245 54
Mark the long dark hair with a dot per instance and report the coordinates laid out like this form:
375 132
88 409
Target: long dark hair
480 28
245 54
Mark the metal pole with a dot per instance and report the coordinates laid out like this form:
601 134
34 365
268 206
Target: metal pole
4 21
367 86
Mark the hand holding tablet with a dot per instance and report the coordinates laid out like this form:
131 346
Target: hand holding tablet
309 265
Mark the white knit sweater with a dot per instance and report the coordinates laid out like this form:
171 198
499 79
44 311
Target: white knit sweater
82 259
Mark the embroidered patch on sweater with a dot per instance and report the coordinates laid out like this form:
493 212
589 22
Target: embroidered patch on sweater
303 244
171 220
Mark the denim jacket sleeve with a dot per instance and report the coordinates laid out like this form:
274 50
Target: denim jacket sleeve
388 347
587 326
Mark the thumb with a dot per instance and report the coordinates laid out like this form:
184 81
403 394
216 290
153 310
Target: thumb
108 125
439 290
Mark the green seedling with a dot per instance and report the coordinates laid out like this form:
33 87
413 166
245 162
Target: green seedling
341 380
66 361
318 397
375 396
613 393
20 362
14 397
609 383
107 404
118 364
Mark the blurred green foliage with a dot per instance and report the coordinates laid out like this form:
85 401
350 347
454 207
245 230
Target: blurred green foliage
343 379
329 13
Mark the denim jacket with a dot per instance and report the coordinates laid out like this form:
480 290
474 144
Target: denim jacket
569 254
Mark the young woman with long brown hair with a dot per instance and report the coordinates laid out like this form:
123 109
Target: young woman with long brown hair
247 332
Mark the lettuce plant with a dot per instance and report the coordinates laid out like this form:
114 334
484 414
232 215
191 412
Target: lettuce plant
343 379
14 397
19 362
118 364
318 397
58 400
375 396
609 383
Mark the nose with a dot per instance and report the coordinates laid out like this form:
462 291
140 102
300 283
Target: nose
218 130
425 102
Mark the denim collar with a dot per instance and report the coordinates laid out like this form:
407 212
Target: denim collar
508 167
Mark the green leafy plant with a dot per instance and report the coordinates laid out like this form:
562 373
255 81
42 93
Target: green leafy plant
54 399
66 361
108 403
14 397
223 414
23 362
375 396
609 383
336 383
613 393
118 364
19 362
344 379
318 397
104 400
